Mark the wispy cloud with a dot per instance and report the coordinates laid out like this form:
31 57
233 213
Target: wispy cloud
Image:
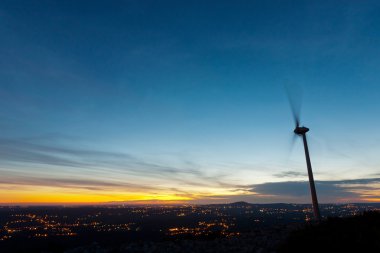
72 183
328 191
286 174
21 151
29 151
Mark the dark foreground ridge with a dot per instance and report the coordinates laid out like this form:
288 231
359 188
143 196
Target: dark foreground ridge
353 234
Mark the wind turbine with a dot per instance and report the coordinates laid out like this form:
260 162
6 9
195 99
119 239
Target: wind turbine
301 131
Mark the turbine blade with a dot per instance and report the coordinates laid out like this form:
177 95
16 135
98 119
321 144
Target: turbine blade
293 143
294 94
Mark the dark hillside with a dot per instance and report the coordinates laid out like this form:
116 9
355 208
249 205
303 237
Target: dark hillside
353 234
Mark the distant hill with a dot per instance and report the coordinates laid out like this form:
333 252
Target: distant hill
354 234
240 203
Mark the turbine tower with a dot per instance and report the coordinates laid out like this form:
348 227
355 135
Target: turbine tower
301 131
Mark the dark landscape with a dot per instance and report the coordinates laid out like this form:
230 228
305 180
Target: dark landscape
237 227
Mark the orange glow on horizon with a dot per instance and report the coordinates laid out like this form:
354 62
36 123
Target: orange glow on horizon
26 194
53 196
374 200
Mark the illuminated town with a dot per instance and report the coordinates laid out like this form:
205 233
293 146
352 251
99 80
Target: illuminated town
125 223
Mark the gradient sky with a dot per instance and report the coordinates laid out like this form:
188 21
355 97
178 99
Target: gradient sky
184 101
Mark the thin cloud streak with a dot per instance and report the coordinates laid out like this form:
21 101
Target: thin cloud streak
60 159
13 150
69 183
287 174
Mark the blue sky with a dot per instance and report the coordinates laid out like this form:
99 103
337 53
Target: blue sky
173 98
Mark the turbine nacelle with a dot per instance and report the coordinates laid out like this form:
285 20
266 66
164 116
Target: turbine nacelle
301 130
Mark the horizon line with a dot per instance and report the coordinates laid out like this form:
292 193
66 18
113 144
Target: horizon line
63 204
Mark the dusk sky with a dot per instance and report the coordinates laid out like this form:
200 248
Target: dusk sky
184 101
